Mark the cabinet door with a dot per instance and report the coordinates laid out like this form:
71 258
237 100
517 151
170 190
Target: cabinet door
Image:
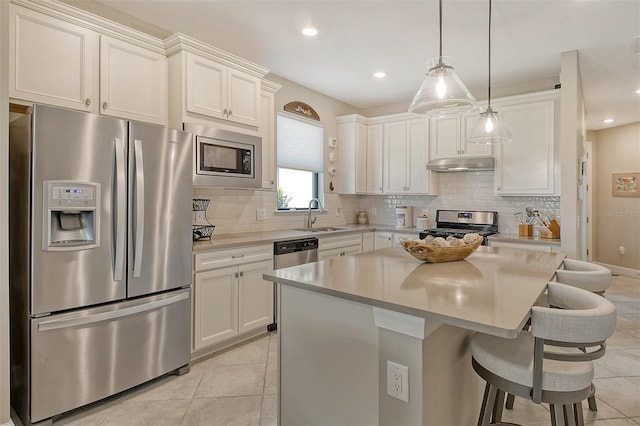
445 138
206 87
133 82
52 62
383 240
215 313
255 296
243 104
395 157
361 158
329 254
417 156
526 165
267 131
367 242
374 159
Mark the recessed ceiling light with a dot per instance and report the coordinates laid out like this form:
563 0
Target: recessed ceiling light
638 91
608 120
380 74
310 32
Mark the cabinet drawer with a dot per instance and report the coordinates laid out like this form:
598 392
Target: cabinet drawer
229 257
326 243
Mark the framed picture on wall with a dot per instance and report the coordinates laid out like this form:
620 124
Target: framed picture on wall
626 185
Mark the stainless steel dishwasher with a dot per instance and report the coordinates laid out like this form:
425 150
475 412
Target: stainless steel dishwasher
291 253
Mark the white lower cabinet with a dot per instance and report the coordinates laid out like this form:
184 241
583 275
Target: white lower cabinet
382 240
367 242
230 296
338 246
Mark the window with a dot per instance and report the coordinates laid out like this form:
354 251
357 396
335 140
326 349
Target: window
300 159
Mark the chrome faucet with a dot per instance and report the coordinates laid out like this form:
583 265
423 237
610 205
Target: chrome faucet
310 221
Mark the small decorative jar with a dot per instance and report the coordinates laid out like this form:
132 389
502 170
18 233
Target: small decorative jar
362 218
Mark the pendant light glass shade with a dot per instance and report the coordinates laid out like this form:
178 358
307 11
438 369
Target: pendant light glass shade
489 129
442 93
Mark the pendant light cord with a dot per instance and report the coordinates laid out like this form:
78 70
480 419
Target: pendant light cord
489 94
440 21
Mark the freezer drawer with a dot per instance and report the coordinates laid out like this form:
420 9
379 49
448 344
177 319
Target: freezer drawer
81 357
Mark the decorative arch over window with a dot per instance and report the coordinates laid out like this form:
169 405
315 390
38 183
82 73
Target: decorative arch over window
297 107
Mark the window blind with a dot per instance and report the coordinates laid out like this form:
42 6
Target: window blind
300 144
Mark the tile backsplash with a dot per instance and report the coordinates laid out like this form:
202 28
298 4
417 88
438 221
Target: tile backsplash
234 210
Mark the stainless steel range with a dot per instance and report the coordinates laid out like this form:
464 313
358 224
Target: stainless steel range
457 223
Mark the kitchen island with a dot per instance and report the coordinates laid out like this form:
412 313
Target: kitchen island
341 320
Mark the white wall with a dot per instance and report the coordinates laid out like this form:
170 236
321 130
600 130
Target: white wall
4 214
572 135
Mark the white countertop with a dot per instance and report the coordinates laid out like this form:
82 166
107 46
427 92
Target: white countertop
492 291
266 237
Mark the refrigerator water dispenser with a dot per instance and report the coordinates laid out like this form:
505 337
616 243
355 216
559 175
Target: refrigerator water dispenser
71 215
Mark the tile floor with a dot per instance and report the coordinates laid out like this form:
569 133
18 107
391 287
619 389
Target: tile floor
238 387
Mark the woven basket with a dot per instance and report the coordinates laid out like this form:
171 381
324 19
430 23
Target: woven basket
435 254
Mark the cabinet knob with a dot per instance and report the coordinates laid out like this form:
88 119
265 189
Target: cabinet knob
225 112
104 106
230 112
499 188
242 273
87 102
236 275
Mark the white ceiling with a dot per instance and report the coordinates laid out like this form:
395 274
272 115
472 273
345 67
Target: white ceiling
358 37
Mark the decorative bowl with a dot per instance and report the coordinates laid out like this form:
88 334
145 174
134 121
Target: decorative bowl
426 252
200 232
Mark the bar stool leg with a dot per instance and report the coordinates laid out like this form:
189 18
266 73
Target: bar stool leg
577 411
593 406
498 406
488 402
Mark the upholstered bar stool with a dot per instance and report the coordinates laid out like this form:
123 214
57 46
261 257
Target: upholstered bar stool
537 365
585 275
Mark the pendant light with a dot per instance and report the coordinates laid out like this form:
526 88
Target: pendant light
442 93
490 128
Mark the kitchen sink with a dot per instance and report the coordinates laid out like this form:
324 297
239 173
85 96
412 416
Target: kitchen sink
327 229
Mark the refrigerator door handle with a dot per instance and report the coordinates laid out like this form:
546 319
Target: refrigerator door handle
108 316
121 209
139 208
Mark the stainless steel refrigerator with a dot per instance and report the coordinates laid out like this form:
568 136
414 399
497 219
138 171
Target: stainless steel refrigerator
100 257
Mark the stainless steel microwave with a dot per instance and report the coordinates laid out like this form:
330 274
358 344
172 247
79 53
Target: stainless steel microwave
225 159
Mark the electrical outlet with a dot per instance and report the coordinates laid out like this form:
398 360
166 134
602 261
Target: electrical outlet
261 214
338 211
398 381
374 211
200 217
621 249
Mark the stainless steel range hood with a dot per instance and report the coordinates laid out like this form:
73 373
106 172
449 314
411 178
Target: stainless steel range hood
462 164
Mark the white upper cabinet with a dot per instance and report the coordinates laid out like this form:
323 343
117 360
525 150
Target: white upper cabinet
210 86
64 58
406 152
449 135
352 154
52 61
206 87
526 166
268 133
384 155
374 159
243 98
133 82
